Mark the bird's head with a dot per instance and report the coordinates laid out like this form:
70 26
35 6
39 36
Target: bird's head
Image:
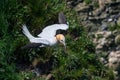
61 39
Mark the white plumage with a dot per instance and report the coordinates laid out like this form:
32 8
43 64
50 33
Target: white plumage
47 37
51 30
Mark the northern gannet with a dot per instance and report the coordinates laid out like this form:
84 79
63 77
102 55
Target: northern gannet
48 36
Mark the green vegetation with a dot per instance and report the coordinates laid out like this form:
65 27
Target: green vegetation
78 63
114 27
88 1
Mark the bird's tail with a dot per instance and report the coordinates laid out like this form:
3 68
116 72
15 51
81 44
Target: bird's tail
27 33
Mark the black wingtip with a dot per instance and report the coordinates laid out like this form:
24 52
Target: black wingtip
62 18
31 45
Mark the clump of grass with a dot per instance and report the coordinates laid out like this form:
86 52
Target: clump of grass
114 27
88 1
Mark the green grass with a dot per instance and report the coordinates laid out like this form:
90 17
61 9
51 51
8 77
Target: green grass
88 1
79 62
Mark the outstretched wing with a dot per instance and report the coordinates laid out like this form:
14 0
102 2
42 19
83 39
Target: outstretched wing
50 31
33 45
62 18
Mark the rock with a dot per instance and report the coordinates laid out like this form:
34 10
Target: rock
118 48
114 60
99 11
104 34
104 27
98 47
118 21
114 63
99 17
102 41
73 3
110 20
116 32
48 77
114 19
108 34
81 7
117 39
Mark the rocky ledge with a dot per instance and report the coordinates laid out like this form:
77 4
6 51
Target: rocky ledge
101 19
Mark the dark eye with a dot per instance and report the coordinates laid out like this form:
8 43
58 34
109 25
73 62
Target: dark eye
61 40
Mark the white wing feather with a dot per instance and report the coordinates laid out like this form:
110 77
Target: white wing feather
50 31
32 38
26 32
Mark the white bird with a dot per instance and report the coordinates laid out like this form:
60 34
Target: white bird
48 36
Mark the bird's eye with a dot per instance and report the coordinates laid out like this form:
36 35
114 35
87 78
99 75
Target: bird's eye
61 40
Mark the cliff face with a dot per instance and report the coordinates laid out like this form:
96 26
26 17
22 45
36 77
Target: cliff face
102 21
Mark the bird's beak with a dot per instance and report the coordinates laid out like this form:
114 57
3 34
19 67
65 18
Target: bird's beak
64 46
